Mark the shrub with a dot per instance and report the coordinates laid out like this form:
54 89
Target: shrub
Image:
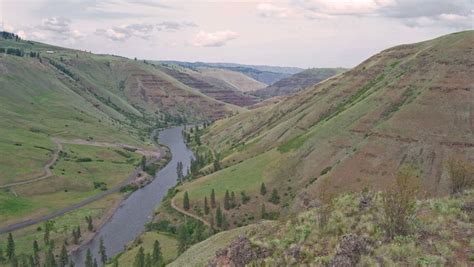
399 203
461 174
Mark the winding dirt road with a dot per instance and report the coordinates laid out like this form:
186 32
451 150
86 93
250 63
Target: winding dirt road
46 169
156 156
174 206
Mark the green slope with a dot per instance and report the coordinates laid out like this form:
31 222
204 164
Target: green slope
411 104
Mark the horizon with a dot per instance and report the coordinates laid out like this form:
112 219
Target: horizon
303 34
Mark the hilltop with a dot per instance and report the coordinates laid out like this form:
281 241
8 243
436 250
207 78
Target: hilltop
296 82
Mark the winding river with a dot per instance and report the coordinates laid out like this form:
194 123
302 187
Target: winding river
129 220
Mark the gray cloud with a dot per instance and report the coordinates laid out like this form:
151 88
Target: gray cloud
421 13
123 33
173 26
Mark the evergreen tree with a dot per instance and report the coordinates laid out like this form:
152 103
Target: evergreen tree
36 258
148 262
233 202
95 263
139 258
275 198
63 257
90 226
89 262
10 247
186 201
206 206
226 200
217 165
213 199
156 256
263 189
219 217
263 212
143 163
183 238
50 261
14 262
102 252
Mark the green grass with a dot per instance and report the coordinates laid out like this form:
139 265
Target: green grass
62 226
247 176
200 253
168 243
71 182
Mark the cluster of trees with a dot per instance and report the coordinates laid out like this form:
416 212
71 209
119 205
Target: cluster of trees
274 196
90 261
191 232
33 260
12 51
153 259
10 35
63 69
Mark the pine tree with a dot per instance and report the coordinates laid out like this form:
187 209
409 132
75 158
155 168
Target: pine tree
183 238
263 189
143 163
10 247
233 202
50 261
63 257
213 199
263 213
102 252
226 200
156 256
275 198
89 262
219 217
90 226
95 263
36 258
206 206
148 262
186 201
139 258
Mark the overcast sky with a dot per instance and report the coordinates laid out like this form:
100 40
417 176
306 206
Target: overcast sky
302 33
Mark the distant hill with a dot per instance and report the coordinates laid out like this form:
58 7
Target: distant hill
261 73
296 82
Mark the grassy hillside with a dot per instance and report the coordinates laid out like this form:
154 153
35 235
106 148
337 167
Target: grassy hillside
261 73
349 234
297 82
225 86
411 104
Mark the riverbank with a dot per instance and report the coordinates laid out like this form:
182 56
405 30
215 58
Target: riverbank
121 229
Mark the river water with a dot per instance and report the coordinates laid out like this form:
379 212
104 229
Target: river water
129 220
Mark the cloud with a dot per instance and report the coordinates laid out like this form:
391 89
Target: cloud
53 29
214 39
268 10
172 26
55 24
421 13
125 32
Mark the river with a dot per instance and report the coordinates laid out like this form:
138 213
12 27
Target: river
130 218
